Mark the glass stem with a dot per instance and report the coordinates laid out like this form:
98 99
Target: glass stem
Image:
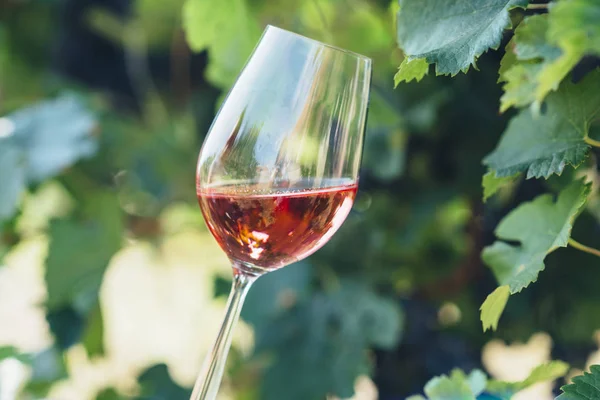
209 380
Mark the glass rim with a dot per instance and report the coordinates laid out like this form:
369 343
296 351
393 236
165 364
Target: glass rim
348 52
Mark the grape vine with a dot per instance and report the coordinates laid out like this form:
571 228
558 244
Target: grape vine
543 51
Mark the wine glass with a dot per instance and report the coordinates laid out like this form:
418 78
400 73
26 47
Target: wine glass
278 171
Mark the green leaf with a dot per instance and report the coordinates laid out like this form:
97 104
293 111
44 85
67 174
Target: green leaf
540 226
38 142
276 292
453 33
532 66
109 394
320 344
493 306
457 386
509 59
520 85
573 27
11 352
48 367
543 145
53 135
229 32
66 325
79 252
411 69
491 183
546 372
584 387
12 176
93 334
157 384
574 24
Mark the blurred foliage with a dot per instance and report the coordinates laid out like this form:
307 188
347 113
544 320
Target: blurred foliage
477 386
104 106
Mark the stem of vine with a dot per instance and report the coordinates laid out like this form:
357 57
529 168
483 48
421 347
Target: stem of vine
537 6
592 142
584 248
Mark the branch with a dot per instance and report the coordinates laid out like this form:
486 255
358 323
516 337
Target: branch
584 248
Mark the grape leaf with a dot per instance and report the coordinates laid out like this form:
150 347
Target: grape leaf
509 59
411 69
53 135
38 142
109 394
66 325
493 306
453 33
79 252
229 32
48 367
538 63
529 53
545 372
156 384
276 292
12 179
93 334
69 327
574 24
320 344
540 226
584 387
491 183
542 145
11 352
457 386
542 373
573 27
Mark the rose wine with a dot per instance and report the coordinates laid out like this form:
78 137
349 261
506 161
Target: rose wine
272 227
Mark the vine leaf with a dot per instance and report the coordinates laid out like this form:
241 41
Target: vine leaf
156 383
540 226
542 145
542 373
573 26
493 306
584 387
411 69
546 48
229 32
38 142
12 177
320 342
525 63
457 386
491 183
79 252
453 33
460 386
12 352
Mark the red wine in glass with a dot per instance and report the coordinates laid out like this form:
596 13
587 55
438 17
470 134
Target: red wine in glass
271 226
